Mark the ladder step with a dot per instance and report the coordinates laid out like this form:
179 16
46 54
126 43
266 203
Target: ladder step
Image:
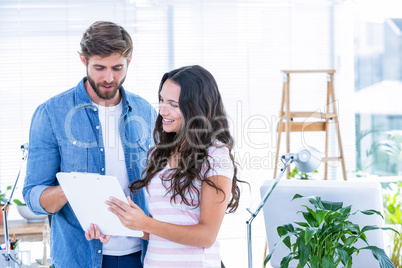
304 126
313 115
308 71
327 159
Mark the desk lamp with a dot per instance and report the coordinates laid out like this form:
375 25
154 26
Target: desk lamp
307 159
7 255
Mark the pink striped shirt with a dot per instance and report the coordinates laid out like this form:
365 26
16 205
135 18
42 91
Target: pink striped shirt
165 253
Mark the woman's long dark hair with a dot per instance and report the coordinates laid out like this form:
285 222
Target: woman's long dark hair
204 123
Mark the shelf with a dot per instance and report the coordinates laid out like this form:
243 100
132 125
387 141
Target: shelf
26 231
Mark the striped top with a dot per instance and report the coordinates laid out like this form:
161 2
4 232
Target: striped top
164 253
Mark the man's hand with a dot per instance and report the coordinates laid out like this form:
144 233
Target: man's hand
94 233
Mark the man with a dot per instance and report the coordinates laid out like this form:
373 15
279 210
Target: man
95 127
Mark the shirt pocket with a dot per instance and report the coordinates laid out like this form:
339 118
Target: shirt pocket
73 158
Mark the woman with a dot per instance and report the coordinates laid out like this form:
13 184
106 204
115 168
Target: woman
190 178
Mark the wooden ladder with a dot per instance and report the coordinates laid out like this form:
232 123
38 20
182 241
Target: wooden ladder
287 125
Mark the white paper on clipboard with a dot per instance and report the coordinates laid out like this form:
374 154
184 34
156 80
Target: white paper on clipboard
87 193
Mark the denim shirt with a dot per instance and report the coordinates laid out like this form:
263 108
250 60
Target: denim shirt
66 136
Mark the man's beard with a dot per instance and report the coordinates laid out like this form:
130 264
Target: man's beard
105 95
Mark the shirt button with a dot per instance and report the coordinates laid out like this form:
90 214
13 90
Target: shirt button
97 127
95 109
101 149
103 169
99 251
74 142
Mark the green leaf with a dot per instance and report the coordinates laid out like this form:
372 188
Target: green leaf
371 212
350 262
304 251
352 228
267 258
302 224
19 203
343 255
364 238
337 228
285 261
310 219
351 250
331 217
381 256
315 262
351 240
328 261
314 200
294 172
303 176
309 233
332 205
296 196
283 231
320 215
281 240
389 229
370 228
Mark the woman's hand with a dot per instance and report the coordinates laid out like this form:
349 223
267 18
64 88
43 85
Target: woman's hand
131 216
94 233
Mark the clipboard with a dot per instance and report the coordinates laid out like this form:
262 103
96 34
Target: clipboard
87 193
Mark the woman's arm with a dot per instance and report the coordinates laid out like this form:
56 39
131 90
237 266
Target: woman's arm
212 210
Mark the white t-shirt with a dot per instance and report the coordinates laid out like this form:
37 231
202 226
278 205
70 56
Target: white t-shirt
115 165
164 253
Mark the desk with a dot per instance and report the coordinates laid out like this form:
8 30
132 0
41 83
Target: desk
24 230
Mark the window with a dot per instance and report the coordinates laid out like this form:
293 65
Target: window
378 84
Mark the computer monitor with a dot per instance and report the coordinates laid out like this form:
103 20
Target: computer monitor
362 195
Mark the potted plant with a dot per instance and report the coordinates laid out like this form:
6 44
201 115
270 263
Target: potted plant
26 213
3 201
393 216
327 238
297 174
3 198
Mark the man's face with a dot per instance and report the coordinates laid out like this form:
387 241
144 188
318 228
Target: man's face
106 75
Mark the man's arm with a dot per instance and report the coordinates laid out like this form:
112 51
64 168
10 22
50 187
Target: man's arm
41 192
53 199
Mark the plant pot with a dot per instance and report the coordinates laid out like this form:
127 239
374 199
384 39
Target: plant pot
27 214
1 214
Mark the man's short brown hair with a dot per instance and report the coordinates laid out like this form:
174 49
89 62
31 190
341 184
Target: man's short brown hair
104 38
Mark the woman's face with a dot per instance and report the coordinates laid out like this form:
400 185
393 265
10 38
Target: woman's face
169 106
